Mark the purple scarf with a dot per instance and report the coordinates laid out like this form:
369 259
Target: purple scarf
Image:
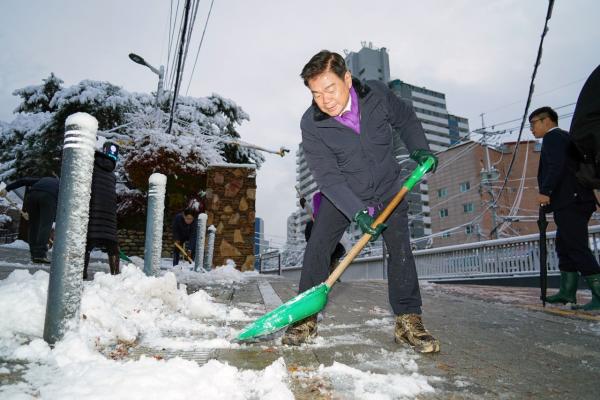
351 118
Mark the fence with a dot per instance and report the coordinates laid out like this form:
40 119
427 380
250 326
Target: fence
270 263
493 258
7 236
516 256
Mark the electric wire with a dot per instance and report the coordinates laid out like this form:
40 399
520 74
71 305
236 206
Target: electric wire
199 47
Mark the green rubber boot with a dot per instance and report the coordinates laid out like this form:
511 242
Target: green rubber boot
593 282
568 289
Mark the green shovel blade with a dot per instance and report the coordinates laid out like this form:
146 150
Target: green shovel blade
304 305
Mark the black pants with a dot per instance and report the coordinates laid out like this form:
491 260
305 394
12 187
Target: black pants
403 285
41 207
572 246
110 247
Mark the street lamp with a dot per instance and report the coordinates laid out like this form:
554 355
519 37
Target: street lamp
160 72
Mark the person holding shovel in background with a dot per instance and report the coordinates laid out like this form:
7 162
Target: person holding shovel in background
347 140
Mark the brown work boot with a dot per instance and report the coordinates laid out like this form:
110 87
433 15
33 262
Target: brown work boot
301 331
410 329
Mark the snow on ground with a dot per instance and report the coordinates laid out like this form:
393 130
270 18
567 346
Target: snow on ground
125 308
17 244
226 274
157 313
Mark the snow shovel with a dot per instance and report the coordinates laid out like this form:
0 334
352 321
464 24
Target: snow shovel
313 300
542 225
124 257
185 254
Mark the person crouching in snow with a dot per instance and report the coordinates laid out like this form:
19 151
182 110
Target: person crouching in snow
102 225
184 233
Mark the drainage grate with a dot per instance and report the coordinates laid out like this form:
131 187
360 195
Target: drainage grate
200 356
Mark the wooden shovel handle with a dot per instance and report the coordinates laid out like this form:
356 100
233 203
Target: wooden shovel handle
185 254
383 216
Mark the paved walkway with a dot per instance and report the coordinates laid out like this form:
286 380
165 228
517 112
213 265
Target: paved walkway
497 343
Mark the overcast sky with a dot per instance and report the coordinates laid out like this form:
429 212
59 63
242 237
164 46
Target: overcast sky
479 53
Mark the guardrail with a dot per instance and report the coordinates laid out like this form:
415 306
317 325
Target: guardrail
515 256
493 258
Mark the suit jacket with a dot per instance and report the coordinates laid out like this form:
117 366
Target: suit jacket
355 170
556 172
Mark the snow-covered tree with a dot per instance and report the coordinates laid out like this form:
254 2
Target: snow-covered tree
204 131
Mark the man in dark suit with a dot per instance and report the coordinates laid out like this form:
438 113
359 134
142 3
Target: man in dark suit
347 138
571 203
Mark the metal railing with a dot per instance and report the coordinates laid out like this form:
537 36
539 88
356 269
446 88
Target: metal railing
270 263
516 256
7 236
493 258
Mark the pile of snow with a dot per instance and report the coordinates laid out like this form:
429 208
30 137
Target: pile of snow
225 274
354 383
134 309
17 244
125 308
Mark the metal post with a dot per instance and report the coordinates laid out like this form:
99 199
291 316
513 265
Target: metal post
72 215
200 239
211 247
154 223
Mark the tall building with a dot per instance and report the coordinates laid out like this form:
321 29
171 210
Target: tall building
369 63
260 243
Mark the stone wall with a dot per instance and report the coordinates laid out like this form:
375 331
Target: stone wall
230 206
132 241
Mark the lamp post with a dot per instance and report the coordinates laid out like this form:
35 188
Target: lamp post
160 72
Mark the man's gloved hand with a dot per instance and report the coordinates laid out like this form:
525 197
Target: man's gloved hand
421 155
364 221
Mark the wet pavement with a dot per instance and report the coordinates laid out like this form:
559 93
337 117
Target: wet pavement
496 342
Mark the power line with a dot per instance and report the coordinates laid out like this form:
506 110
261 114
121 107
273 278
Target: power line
179 65
172 25
527 104
199 47
537 95
493 126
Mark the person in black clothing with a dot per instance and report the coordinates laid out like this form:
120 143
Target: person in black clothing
572 204
184 233
102 225
40 204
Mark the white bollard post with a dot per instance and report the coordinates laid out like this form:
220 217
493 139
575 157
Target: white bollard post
72 216
200 239
154 223
211 247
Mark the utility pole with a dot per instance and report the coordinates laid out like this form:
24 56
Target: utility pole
488 176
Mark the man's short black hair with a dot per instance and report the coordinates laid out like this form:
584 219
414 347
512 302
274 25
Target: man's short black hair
189 211
545 112
323 61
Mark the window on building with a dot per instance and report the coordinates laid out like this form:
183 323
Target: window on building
446 235
443 213
468 208
465 186
469 229
443 192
